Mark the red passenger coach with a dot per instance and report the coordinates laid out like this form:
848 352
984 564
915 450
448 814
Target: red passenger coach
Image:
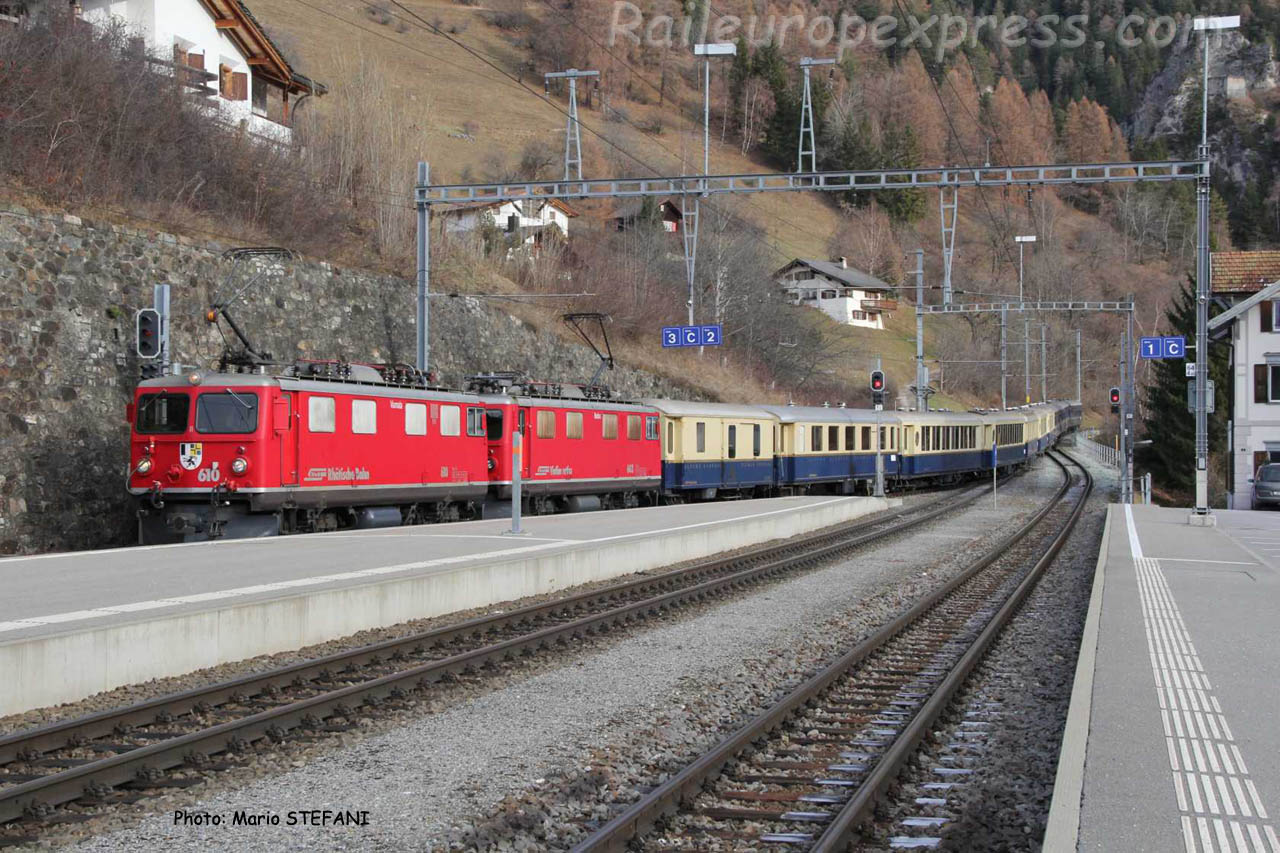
327 447
578 454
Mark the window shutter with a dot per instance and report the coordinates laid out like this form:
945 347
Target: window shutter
1259 383
240 86
196 61
1267 314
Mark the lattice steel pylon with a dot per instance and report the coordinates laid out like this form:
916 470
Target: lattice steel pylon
808 147
573 129
948 209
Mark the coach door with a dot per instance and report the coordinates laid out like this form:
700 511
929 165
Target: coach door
285 425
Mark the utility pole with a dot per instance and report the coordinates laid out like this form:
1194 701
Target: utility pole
1026 355
1004 355
424 270
573 132
1044 362
1126 442
922 400
948 210
1201 514
808 148
1079 375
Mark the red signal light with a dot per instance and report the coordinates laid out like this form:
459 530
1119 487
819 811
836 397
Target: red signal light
1115 395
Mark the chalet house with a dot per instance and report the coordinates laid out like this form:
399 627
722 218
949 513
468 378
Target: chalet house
668 214
216 47
525 223
845 294
1249 282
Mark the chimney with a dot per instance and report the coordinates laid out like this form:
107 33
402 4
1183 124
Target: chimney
844 262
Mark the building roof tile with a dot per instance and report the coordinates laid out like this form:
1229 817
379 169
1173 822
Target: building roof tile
1243 272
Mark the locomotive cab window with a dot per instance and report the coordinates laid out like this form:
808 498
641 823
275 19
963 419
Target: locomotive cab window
320 414
651 428
163 413
364 417
227 412
633 427
475 421
415 419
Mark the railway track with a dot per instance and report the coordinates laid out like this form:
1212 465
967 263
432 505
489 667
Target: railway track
807 772
69 771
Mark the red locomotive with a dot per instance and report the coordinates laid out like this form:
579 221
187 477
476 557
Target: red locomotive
328 445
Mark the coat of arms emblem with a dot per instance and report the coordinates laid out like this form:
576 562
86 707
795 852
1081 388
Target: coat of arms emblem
189 454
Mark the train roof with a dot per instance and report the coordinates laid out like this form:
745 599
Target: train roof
578 403
687 409
955 418
211 378
824 414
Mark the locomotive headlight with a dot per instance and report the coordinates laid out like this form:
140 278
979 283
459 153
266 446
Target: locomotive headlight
195 378
239 465
143 467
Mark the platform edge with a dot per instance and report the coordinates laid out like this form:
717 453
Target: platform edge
1062 831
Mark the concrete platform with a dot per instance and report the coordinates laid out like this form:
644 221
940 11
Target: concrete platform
78 623
1173 736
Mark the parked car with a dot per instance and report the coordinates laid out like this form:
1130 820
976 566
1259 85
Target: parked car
1266 486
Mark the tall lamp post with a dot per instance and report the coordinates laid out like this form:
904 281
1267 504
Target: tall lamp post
690 217
1201 514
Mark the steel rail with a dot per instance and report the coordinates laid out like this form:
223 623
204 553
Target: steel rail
667 797
762 562
886 770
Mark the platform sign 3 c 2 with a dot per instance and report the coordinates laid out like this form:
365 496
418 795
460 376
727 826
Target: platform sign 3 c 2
691 336
1166 347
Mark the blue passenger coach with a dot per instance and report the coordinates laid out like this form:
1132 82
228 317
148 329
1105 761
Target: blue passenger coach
708 448
833 446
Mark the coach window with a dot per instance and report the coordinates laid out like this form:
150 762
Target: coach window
364 417
415 419
573 424
227 412
546 424
320 414
815 438
671 436
850 438
651 428
633 427
700 445
163 413
733 441
755 440
450 420
475 421
866 438
833 438
609 426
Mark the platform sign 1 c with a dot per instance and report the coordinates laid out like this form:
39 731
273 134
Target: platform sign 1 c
692 336
1164 347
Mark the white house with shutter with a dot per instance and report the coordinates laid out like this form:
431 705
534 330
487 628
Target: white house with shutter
216 47
846 295
1245 280
524 223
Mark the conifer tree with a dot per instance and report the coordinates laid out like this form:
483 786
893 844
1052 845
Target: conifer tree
1171 428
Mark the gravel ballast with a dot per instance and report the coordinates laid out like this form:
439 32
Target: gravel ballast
565 732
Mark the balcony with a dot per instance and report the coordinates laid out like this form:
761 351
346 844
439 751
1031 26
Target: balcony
879 306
